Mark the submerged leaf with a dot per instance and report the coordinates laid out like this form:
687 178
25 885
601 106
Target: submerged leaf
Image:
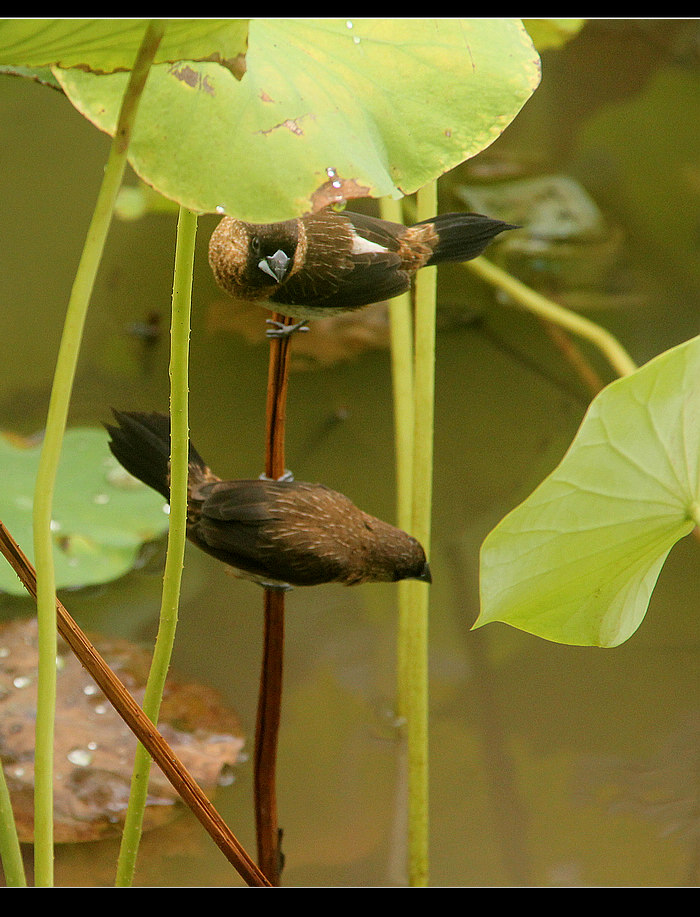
101 516
94 748
578 560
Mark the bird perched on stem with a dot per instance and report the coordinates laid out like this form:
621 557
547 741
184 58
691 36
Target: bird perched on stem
278 533
331 261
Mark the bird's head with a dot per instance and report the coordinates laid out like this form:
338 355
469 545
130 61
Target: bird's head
251 260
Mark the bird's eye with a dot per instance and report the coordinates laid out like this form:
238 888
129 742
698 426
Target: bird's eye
255 245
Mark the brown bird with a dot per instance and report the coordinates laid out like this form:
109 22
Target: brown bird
331 261
278 533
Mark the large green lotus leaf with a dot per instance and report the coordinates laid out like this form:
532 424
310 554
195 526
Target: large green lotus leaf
105 45
578 560
101 517
326 110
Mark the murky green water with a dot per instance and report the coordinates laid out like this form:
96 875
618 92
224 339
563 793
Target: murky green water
550 765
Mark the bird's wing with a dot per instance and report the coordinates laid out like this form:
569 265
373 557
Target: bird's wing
245 502
365 279
348 264
238 525
231 524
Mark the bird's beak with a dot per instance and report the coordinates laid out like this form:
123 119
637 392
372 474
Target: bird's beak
275 265
425 576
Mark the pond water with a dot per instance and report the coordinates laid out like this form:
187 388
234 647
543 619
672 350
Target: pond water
550 765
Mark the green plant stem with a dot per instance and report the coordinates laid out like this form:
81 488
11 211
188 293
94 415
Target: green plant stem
425 287
401 335
550 311
413 379
403 391
10 852
414 694
179 439
51 451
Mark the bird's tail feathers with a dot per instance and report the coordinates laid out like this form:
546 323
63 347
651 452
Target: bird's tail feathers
141 443
463 236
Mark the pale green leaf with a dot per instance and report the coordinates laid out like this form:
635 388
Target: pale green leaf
326 109
105 45
578 560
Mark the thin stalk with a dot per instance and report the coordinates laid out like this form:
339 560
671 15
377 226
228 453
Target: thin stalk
401 336
179 439
272 666
276 409
550 311
426 310
269 717
402 368
10 851
414 694
51 451
137 721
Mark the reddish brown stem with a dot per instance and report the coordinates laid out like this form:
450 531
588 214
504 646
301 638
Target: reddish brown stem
137 721
270 695
267 731
278 374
